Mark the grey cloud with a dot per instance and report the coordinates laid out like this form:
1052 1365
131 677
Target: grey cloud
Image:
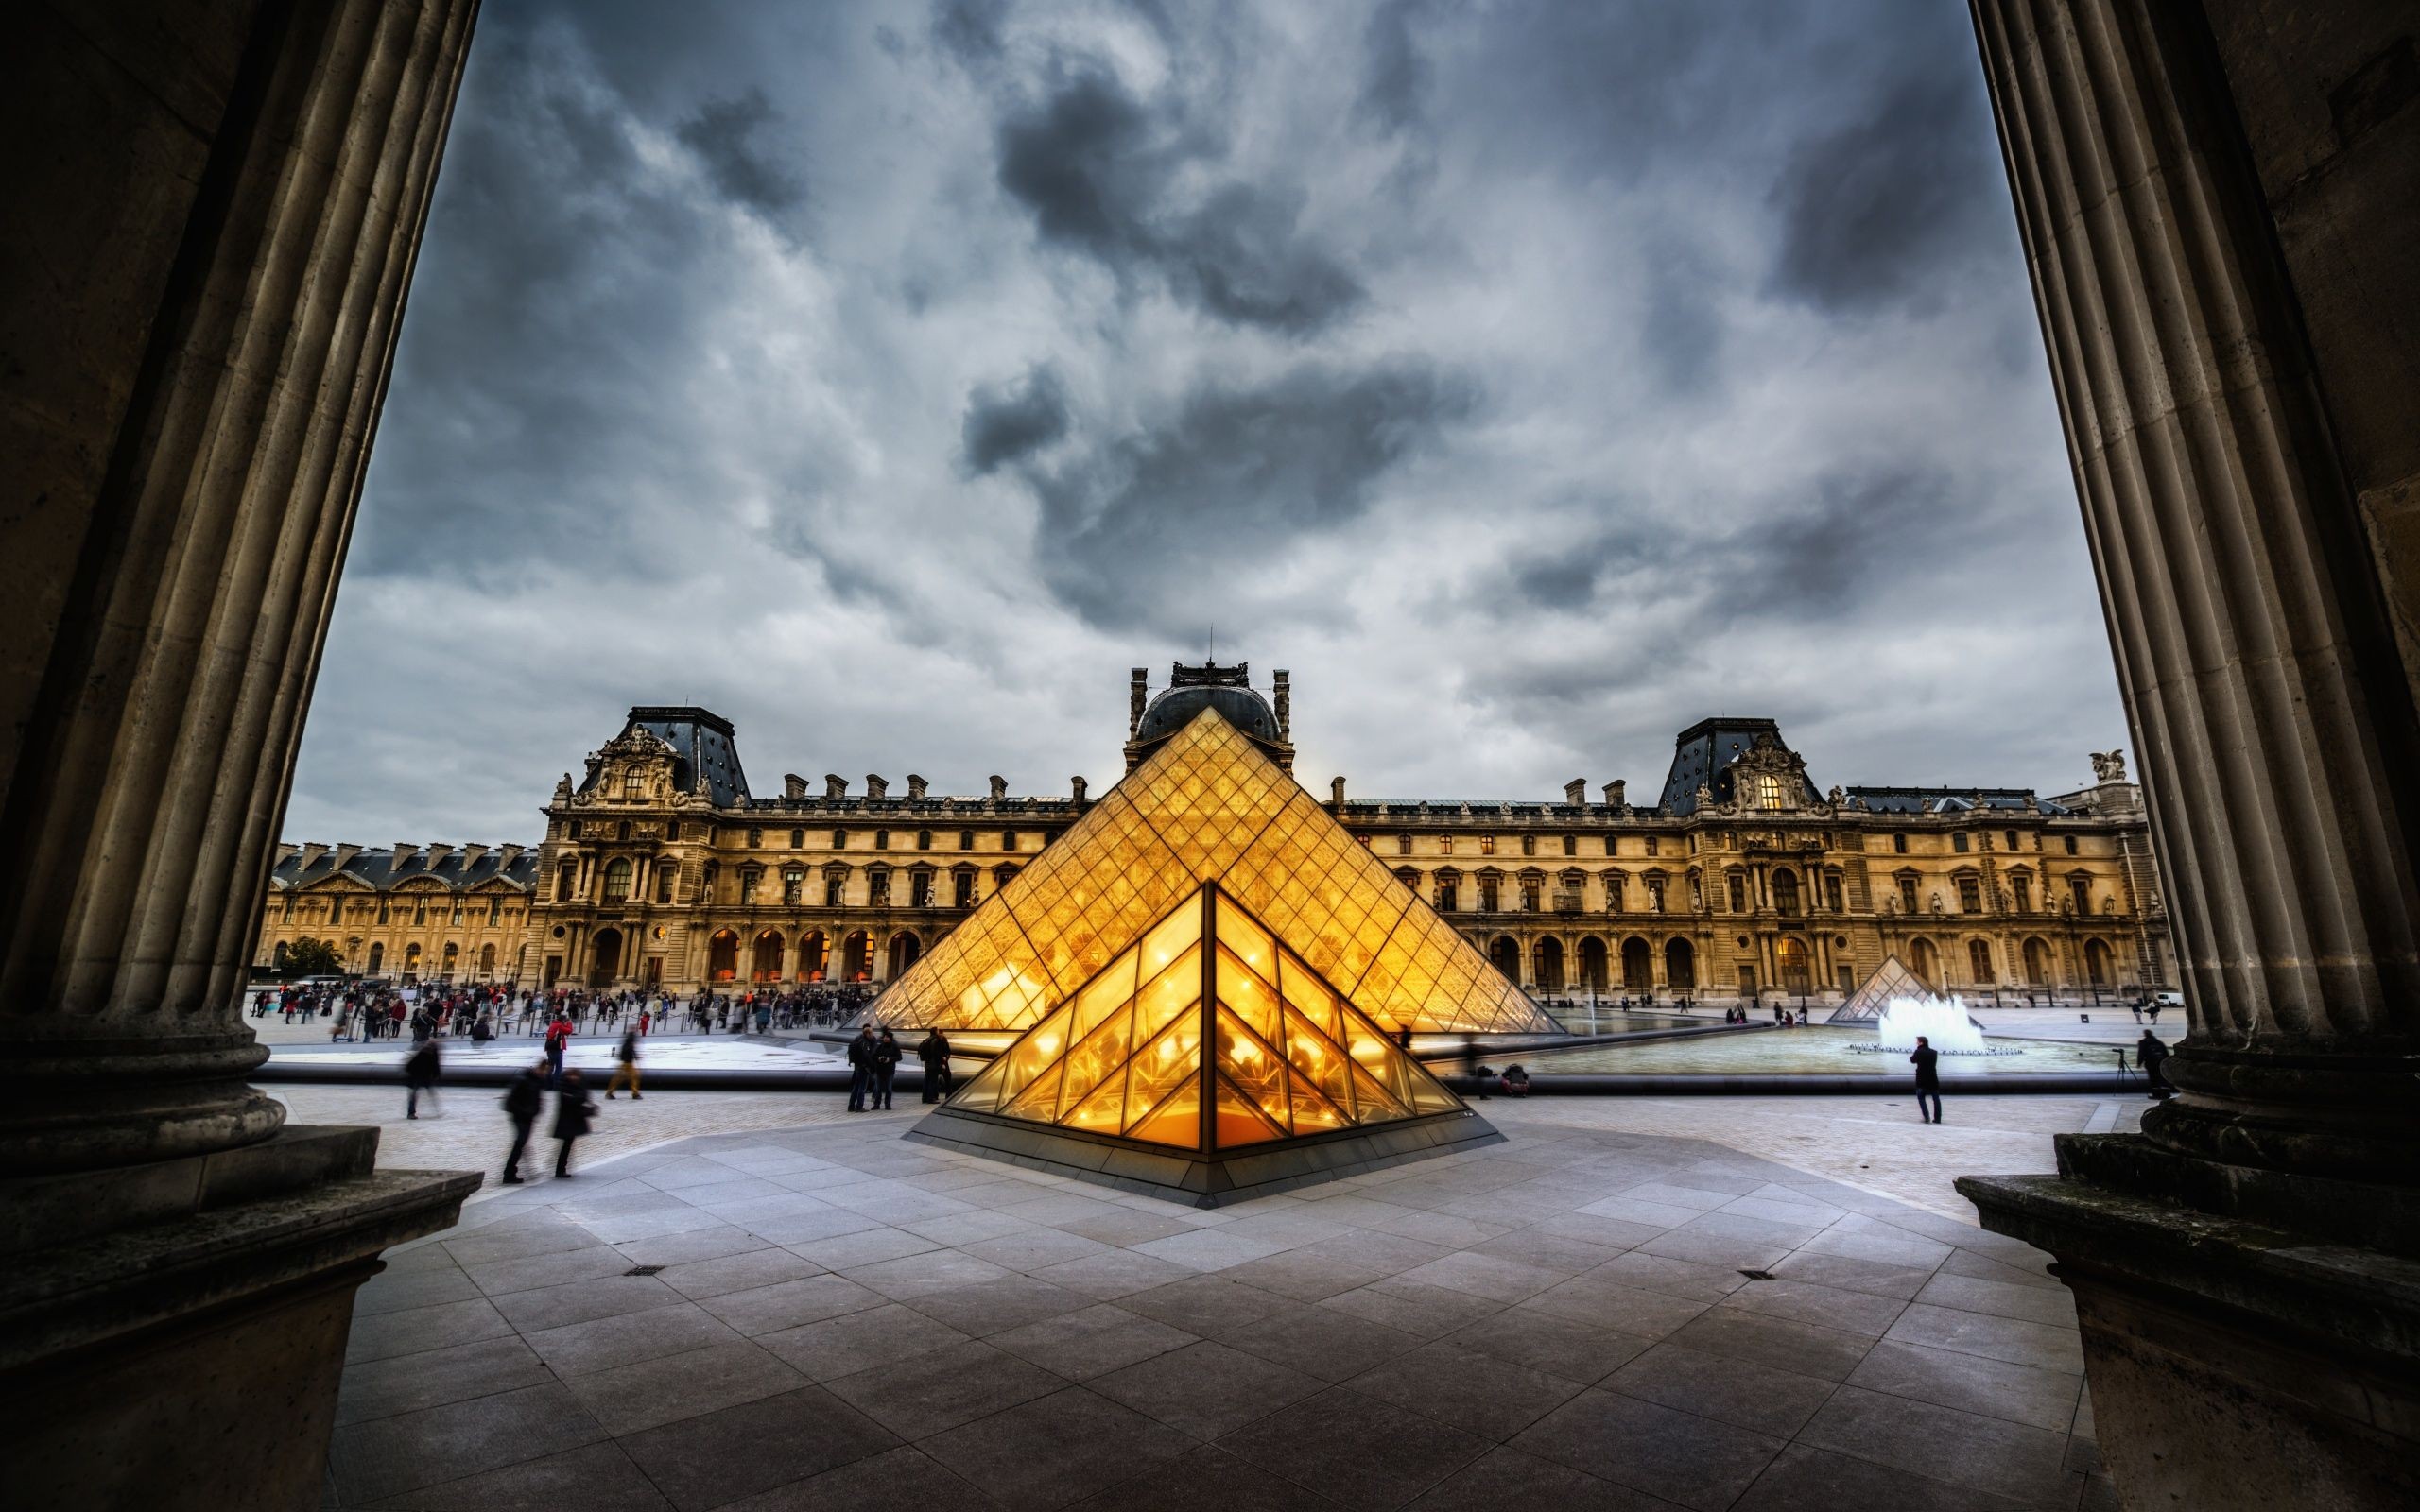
1009 423
968 31
724 135
1871 212
1159 528
1096 167
1397 76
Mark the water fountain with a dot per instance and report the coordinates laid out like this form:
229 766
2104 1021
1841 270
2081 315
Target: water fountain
1941 1021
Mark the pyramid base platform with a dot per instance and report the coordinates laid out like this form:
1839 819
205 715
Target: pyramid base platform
1197 1180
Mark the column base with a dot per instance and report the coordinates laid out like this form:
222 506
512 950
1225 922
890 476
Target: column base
2233 1363
191 1361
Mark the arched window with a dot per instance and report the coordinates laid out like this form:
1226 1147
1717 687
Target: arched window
1978 962
1638 966
633 787
2100 964
618 879
2037 960
1786 893
1403 845
722 955
1770 796
486 960
1791 952
1925 962
1681 966
1549 976
453 953
377 957
765 960
411 960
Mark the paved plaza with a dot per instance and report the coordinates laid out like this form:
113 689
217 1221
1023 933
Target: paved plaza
829 1316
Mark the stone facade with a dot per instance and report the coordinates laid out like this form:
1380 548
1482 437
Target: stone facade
659 867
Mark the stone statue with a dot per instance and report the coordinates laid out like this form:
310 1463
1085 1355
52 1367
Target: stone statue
1936 901
1834 796
2109 765
1134 699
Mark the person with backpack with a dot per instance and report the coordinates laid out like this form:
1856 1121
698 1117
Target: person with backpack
572 1114
522 1101
628 1065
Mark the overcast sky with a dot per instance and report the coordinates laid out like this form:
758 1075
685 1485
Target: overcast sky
1532 379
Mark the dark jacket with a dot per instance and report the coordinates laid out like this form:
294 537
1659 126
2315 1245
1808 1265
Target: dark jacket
420 1067
524 1097
1927 1062
2151 1055
630 1050
861 1051
572 1112
886 1056
934 1052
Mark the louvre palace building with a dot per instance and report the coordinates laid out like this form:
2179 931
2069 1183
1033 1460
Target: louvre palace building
1742 878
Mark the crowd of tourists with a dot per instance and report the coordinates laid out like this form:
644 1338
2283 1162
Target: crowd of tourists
480 1012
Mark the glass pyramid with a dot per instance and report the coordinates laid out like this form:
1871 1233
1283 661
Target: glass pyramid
1207 1034
1892 979
1206 807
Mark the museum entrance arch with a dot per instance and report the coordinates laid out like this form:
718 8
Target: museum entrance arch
1592 964
856 957
813 956
604 957
1505 952
1638 966
1681 966
1550 965
903 949
722 956
1790 953
765 958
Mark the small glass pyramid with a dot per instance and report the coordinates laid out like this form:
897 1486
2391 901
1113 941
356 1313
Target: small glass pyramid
1207 806
1892 979
1207 1034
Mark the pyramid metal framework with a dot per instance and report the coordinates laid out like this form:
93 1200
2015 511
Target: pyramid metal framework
1892 979
1207 807
1208 1035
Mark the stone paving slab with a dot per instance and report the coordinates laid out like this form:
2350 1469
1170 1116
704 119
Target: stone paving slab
1579 1334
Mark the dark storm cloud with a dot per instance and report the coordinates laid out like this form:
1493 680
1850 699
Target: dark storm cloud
1097 169
1008 422
1159 528
724 136
1873 212
1531 378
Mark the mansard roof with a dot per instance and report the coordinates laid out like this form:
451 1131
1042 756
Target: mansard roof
386 868
706 751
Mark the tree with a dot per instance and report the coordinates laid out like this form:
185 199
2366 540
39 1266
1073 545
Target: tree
313 957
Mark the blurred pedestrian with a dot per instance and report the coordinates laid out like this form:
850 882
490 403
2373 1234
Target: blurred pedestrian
420 1075
557 1040
523 1102
572 1112
628 1059
861 1051
2152 1055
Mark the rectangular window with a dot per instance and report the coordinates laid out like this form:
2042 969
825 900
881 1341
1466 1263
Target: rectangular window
1571 844
963 890
1446 898
1528 897
878 890
1487 898
1900 845
1654 846
748 886
1832 894
1613 845
1487 845
1007 840
836 891
2012 839
920 891
840 839
1970 895
2080 889
1403 845
1445 845
1529 844
2071 843
755 838
1906 895
1957 842
2023 885
798 839
1738 895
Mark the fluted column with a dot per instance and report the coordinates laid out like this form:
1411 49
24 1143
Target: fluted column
2254 650
156 682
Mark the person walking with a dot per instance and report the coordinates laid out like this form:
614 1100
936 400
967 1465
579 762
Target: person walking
2152 1055
934 1054
420 1075
627 1058
764 1015
557 1038
886 1065
573 1112
523 1101
1928 1063
861 1051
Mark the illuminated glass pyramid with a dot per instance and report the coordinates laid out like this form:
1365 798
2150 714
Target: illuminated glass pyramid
1892 979
1206 1061
1207 807
1207 1034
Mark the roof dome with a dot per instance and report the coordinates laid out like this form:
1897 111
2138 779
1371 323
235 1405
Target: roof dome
1176 708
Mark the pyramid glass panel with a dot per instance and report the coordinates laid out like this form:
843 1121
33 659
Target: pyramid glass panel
1134 1062
1206 806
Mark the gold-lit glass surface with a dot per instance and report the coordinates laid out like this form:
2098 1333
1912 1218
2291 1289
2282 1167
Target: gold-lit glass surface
1207 806
1282 1053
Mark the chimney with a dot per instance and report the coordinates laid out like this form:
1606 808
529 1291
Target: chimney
877 788
404 851
916 787
438 852
999 788
1614 793
835 786
1077 785
344 853
470 854
507 854
1137 694
793 786
1576 792
287 851
1283 688
1336 791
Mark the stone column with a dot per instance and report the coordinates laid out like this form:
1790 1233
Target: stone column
200 278
2261 1346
